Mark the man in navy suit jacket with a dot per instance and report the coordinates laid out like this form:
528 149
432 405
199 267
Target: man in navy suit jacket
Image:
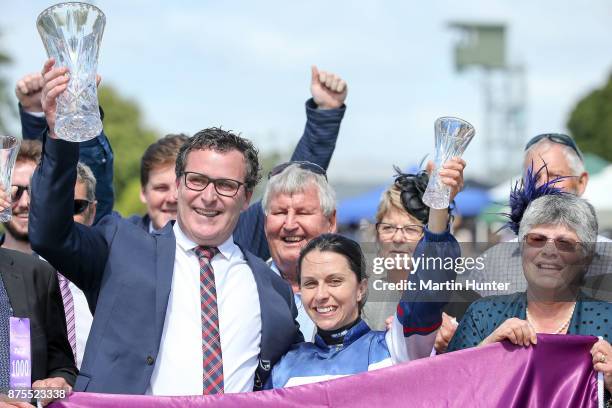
133 277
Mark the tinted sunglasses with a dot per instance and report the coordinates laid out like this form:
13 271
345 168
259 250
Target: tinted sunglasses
80 205
556 138
17 192
562 244
306 165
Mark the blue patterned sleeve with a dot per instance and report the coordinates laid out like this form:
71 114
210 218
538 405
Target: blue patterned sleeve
419 312
318 143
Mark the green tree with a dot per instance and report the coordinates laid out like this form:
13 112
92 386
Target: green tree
591 121
129 137
6 103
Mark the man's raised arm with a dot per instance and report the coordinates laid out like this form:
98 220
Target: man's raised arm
96 153
78 251
324 113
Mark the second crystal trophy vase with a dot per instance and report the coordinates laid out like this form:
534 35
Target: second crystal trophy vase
71 33
9 147
452 137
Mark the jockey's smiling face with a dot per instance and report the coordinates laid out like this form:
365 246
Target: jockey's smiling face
330 291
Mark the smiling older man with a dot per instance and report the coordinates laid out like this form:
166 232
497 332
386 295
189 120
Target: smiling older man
299 205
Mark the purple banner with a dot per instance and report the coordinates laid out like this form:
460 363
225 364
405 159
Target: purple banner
556 372
20 353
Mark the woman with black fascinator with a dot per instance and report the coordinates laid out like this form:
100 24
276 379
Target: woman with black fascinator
400 221
401 205
398 228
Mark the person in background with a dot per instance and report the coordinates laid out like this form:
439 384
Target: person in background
16 231
560 161
158 182
77 309
29 289
400 222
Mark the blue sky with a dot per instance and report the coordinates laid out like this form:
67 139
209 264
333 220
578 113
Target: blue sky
245 65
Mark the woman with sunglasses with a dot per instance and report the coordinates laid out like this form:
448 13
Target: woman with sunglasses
557 234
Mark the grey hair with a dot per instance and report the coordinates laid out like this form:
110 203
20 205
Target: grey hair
86 176
294 179
565 209
574 161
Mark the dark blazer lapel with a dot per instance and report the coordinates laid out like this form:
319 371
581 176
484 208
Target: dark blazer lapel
144 222
275 337
164 254
15 286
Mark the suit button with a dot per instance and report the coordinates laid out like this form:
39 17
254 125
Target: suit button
150 360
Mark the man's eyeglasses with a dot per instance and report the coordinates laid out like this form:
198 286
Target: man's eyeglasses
306 165
80 205
556 138
409 231
562 244
17 192
198 182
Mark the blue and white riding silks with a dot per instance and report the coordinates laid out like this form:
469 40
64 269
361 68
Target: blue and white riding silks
412 335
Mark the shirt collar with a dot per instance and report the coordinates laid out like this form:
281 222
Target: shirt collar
226 249
152 228
274 268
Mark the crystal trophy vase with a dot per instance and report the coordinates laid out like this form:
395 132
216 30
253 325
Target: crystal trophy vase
9 147
452 136
71 33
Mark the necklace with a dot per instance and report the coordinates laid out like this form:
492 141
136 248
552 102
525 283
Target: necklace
560 329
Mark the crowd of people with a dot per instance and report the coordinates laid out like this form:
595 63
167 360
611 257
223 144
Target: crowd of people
210 293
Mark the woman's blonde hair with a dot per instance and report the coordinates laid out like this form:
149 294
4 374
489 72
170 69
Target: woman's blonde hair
391 198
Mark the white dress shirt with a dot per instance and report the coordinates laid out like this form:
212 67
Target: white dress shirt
82 321
307 326
178 369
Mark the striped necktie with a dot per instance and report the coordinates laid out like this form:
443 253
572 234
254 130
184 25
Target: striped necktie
69 309
212 365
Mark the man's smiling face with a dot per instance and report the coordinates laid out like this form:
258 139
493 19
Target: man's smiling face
207 217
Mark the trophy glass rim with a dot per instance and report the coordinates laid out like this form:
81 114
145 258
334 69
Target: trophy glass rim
463 121
64 3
